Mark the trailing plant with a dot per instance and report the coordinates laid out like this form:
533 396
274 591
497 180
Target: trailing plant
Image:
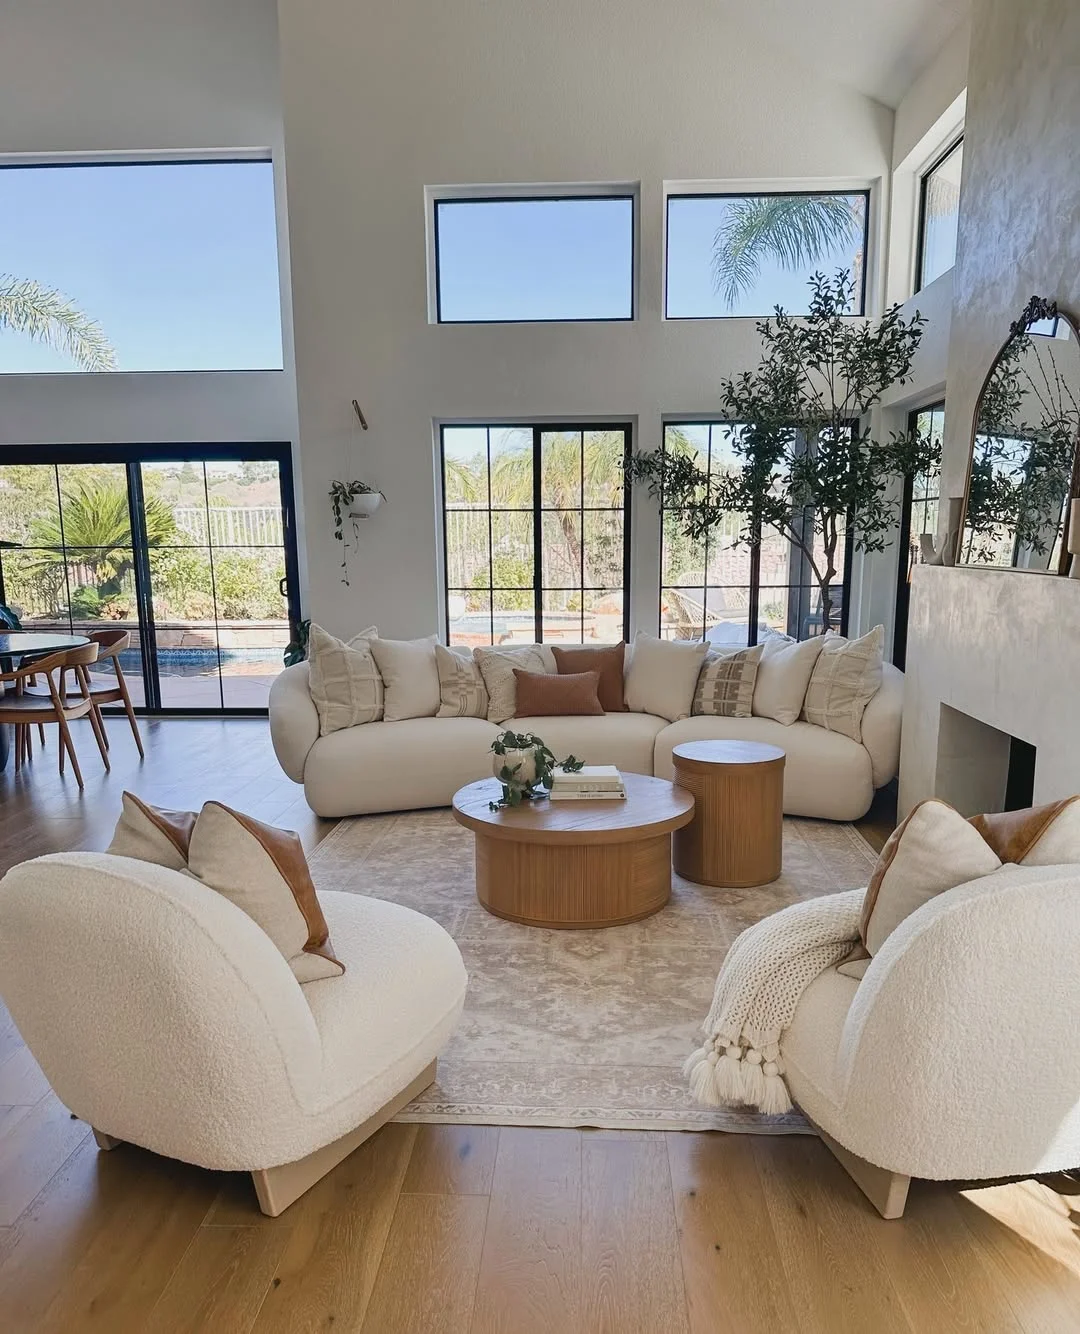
342 494
296 649
806 464
514 789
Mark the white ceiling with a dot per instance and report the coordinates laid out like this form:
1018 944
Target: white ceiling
877 46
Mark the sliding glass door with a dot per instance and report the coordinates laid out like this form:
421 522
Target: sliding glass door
190 549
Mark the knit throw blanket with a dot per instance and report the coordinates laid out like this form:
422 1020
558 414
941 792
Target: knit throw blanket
759 984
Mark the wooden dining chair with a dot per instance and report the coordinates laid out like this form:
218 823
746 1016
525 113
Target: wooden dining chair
23 709
111 643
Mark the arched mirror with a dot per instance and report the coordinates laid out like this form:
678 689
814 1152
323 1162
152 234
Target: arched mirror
1024 468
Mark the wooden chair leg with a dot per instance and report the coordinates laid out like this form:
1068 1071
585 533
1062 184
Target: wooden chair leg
887 1191
129 710
41 734
94 715
66 744
19 729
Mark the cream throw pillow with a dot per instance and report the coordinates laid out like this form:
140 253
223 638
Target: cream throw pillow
150 834
846 677
663 676
725 685
410 677
263 870
344 681
935 849
497 668
783 675
462 693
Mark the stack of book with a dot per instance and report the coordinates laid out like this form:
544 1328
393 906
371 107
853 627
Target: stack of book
594 782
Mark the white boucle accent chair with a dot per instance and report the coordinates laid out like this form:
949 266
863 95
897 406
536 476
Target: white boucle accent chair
422 762
957 1057
164 1016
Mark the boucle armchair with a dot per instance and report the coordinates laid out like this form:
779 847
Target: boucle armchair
164 1016
957 1057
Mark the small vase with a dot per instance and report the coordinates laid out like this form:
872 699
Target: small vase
521 763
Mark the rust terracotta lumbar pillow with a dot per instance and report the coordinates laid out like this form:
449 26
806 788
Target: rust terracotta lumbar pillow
263 870
151 834
546 695
608 659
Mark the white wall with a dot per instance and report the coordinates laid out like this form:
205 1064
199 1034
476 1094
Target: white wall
1001 645
144 77
557 91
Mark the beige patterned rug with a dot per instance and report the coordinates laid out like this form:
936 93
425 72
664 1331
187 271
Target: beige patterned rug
577 1028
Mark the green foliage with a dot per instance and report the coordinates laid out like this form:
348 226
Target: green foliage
46 316
297 648
807 465
514 792
792 229
342 494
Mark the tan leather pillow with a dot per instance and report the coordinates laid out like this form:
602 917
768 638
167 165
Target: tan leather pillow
263 870
151 834
608 661
545 695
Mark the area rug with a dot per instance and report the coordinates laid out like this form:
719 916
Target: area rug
577 1028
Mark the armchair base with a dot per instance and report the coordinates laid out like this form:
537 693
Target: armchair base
887 1191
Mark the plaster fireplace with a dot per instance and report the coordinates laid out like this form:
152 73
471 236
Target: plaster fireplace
992 692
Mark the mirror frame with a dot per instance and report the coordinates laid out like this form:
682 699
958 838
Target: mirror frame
1038 308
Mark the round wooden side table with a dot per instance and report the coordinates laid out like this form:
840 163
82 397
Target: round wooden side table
737 834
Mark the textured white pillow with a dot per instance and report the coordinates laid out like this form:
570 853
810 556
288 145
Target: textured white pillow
462 693
497 668
662 676
344 681
263 870
150 834
410 677
846 677
783 675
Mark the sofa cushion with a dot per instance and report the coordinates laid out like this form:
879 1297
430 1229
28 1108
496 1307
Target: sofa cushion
810 1046
344 681
150 834
623 739
662 675
497 667
462 693
846 677
403 766
263 870
410 677
827 776
609 660
783 674
725 684
547 694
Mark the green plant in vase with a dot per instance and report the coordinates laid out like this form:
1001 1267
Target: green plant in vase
525 767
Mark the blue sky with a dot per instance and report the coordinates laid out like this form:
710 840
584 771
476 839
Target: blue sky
176 262
692 223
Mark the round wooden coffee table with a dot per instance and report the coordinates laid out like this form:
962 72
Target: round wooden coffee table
575 864
736 837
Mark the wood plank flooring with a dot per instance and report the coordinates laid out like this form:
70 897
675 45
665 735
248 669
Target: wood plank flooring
472 1230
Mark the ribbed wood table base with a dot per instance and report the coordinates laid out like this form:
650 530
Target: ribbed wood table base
576 886
736 837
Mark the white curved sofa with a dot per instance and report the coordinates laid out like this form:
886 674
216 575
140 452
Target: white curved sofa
957 1057
423 761
163 1015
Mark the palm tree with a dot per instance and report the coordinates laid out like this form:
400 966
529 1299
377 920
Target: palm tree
47 316
94 531
794 230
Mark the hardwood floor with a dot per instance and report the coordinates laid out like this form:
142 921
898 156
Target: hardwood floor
472 1230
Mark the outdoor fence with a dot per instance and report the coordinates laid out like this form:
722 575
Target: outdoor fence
231 525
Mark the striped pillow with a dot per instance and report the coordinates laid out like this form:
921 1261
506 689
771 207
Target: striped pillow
462 693
345 684
725 684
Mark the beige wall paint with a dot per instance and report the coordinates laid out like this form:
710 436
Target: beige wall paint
1001 645
554 91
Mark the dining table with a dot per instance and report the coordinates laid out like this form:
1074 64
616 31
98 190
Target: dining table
23 645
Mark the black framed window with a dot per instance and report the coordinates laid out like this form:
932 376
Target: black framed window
740 255
525 259
536 533
939 215
919 514
730 592
190 548
139 266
